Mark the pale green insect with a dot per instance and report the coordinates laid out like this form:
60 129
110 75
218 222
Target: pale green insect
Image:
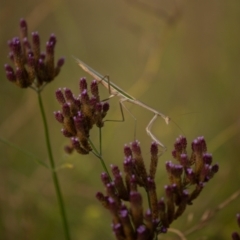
114 90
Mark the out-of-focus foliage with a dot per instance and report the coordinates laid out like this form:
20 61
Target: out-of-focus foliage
189 69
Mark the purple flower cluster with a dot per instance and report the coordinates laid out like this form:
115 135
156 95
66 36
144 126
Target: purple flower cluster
79 114
130 221
32 68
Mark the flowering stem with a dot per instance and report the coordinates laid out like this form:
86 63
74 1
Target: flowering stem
54 174
99 155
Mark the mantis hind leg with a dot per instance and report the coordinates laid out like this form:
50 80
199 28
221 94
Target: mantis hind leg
148 130
122 105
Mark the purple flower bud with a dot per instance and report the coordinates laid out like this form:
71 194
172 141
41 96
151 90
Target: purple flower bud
94 88
31 59
127 151
23 27
215 168
102 199
151 184
190 175
207 158
68 149
118 231
69 95
11 56
184 160
36 39
59 117
60 62
36 44
16 47
76 144
105 107
161 205
42 56
168 191
94 101
174 153
105 178
115 169
110 188
66 133
199 145
154 148
60 97
98 107
8 68
84 96
196 146
148 215
11 76
180 144
203 143
82 84
133 183
142 233
26 44
10 73
136 148
124 214
185 194
66 110
79 123
135 198
52 39
100 196
41 65
128 164
77 103
169 166
177 170
50 48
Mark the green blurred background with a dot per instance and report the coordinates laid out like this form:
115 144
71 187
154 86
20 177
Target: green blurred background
189 69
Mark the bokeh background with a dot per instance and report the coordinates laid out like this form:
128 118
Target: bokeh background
180 57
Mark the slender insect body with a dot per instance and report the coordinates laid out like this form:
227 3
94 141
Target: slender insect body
114 90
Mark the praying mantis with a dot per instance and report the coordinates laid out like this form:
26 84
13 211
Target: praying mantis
116 91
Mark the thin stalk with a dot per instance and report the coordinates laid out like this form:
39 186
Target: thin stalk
98 155
54 174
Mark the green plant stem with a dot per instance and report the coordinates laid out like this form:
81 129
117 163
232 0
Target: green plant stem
98 155
54 174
